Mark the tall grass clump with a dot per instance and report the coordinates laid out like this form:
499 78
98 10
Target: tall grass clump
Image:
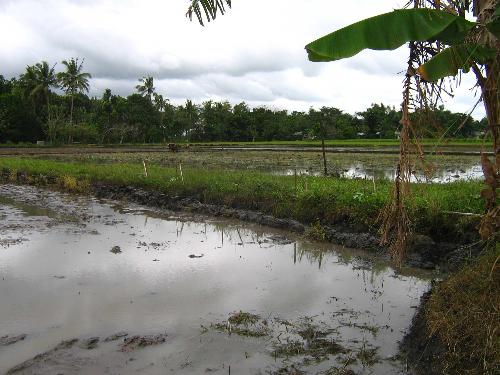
464 313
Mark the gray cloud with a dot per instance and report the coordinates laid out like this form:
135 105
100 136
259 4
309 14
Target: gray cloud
255 53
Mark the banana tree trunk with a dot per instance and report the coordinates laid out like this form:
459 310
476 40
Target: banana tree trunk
489 84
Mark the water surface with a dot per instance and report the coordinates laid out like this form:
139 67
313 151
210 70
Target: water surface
183 276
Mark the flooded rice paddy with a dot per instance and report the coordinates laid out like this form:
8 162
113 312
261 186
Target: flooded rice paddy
436 169
90 286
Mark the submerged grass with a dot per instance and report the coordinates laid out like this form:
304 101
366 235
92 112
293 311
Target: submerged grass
464 313
244 324
307 198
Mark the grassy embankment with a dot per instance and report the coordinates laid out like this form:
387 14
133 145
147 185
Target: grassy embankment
304 198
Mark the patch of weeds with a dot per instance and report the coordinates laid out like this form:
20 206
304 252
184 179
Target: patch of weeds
316 232
243 318
338 371
309 340
367 356
319 349
68 182
289 349
73 185
311 332
12 176
256 331
289 370
136 342
244 324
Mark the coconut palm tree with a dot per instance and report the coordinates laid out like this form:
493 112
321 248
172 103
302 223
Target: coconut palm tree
146 88
73 81
160 102
27 81
41 79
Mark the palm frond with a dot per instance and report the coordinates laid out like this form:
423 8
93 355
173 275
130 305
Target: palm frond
210 7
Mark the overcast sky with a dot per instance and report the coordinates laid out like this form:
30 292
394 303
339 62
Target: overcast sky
254 54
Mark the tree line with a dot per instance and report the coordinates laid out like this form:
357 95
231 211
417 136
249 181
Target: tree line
42 104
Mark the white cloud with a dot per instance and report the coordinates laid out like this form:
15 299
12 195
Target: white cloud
255 53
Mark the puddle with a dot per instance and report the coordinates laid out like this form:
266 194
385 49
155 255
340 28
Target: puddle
358 170
187 295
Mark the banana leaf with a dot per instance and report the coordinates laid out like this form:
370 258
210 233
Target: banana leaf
494 27
450 60
389 31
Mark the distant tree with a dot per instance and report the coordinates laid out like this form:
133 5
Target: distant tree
159 102
5 85
18 123
28 82
161 106
44 79
146 88
73 81
380 121
141 115
240 129
193 125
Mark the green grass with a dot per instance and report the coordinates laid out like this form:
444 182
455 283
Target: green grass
307 199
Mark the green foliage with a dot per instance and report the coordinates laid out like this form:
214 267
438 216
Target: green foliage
73 80
389 31
146 87
18 122
316 232
452 59
28 105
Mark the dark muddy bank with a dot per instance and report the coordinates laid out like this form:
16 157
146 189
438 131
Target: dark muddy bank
421 351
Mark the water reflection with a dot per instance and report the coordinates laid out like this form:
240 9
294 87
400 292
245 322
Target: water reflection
359 171
175 273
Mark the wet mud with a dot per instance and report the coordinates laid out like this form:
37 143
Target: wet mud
188 294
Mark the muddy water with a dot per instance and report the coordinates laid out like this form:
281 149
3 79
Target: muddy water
184 277
359 170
